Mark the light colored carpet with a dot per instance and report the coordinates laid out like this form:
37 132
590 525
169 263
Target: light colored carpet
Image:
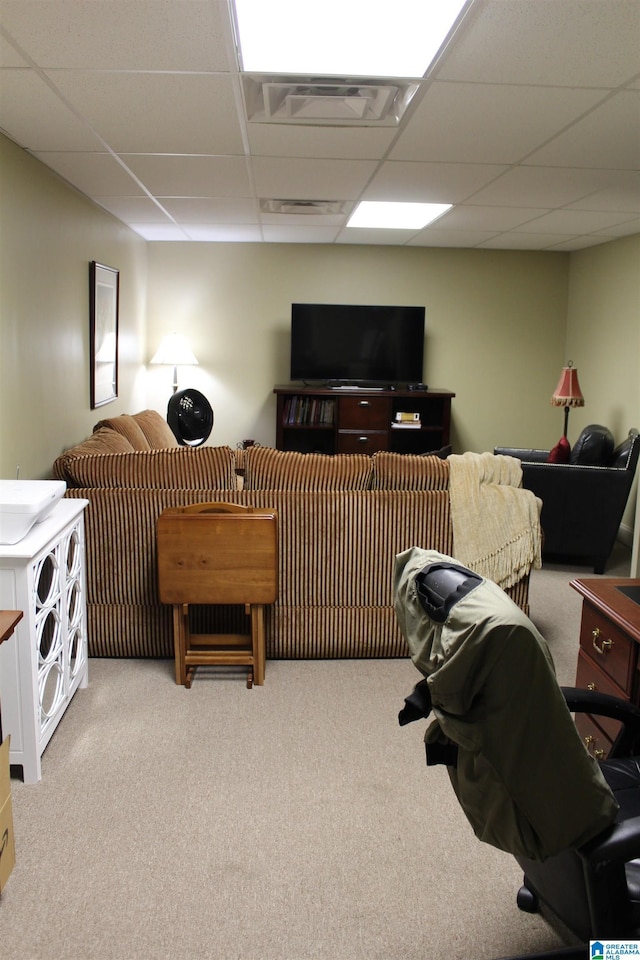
296 821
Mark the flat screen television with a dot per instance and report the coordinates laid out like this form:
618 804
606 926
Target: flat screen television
348 343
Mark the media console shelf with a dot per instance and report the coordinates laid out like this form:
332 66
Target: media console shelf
361 420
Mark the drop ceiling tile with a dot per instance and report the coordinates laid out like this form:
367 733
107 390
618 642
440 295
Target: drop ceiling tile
578 243
626 229
120 34
490 125
156 112
303 179
493 219
9 56
526 102
224 233
134 209
301 220
289 234
95 174
440 237
524 241
540 187
205 210
430 182
622 193
37 119
159 231
391 238
554 42
339 143
573 222
173 176
607 137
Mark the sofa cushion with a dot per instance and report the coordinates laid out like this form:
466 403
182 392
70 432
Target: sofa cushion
156 429
103 440
126 426
594 446
407 471
561 452
178 468
269 469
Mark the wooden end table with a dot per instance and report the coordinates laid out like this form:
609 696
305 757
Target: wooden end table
218 553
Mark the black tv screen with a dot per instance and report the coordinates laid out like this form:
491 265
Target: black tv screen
357 344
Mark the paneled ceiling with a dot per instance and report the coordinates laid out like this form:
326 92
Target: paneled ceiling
528 122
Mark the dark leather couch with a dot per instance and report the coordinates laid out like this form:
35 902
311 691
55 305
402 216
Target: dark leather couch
582 501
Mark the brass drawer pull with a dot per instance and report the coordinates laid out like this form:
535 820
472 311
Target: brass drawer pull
363 439
590 742
591 686
363 403
605 645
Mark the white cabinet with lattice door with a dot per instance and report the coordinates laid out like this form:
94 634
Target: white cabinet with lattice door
46 659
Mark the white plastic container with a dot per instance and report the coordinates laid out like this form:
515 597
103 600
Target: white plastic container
25 502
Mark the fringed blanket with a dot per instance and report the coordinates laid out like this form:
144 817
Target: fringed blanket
496 523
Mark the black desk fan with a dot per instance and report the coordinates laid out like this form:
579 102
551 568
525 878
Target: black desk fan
190 417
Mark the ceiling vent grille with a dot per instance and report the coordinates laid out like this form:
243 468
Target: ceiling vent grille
318 208
340 102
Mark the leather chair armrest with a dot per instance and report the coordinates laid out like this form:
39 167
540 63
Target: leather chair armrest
591 701
627 742
617 844
527 454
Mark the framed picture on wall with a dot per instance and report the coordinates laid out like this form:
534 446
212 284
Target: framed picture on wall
103 332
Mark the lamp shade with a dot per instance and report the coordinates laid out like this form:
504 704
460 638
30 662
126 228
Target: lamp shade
568 392
174 350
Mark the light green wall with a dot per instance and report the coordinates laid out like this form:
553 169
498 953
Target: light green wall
499 326
48 235
603 339
495 327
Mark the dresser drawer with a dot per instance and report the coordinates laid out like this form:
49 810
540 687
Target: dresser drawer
595 740
611 649
590 677
364 413
358 441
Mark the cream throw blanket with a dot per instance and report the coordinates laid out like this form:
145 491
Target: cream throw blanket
496 523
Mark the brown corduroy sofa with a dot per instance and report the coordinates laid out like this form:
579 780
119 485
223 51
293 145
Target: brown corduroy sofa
341 521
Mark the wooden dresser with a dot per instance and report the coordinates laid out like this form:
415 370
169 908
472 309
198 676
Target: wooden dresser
608 659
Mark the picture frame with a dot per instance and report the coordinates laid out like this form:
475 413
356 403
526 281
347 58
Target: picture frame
104 294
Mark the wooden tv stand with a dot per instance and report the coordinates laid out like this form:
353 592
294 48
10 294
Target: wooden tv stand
359 420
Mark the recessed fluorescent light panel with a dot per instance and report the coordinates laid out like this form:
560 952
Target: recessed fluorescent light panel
343 37
396 216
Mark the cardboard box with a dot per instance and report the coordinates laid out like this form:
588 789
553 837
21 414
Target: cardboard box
7 838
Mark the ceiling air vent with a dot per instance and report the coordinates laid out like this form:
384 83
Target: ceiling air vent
337 102
318 208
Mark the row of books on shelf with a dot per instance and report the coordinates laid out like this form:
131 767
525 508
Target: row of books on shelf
406 421
308 411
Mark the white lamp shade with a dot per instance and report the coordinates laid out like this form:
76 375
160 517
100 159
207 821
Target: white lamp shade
174 351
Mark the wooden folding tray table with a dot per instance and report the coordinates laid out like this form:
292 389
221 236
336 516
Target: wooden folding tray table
218 553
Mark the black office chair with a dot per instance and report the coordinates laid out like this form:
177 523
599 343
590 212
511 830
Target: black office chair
504 729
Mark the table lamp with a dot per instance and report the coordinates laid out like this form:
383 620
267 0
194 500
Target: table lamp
174 351
568 393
